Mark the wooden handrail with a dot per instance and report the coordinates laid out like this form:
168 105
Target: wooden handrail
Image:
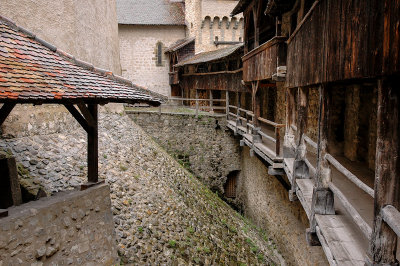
232 106
270 122
310 142
267 136
349 175
214 73
311 167
232 114
190 99
358 220
392 217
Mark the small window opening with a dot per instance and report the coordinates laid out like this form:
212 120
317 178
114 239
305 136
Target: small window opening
240 39
231 184
159 54
216 38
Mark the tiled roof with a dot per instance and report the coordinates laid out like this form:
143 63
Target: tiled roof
179 44
34 71
150 12
210 56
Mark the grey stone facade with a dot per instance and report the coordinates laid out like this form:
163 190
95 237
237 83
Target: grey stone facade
209 152
70 228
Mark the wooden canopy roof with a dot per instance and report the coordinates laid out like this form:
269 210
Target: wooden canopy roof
34 71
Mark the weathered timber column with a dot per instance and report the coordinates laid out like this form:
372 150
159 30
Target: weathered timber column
256 28
227 104
238 122
288 151
211 102
383 241
323 198
300 168
197 103
255 102
10 191
93 149
278 30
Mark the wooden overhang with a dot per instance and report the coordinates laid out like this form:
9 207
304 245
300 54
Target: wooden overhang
342 40
222 79
33 71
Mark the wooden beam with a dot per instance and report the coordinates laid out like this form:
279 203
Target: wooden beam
78 116
323 198
255 102
93 150
300 168
86 114
383 242
5 111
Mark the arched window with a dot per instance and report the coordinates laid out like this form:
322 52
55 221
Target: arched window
159 54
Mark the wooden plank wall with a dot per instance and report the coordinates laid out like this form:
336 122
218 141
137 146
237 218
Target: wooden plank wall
345 39
261 63
222 81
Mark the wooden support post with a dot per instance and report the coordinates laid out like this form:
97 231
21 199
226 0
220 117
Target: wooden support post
323 198
5 111
383 243
255 102
256 28
278 141
288 150
278 25
237 111
227 104
10 191
300 168
93 151
197 103
211 102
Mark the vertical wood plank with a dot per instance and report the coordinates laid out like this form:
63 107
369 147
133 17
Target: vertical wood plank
93 150
383 242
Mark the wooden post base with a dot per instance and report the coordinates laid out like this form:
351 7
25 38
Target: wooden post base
323 200
293 195
91 184
312 238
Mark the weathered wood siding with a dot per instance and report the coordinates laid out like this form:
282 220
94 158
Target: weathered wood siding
345 39
261 63
222 81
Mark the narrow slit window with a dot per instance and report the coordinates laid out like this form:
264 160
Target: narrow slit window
159 54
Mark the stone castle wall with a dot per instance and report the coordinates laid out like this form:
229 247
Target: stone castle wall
86 29
71 228
211 154
265 201
207 19
138 46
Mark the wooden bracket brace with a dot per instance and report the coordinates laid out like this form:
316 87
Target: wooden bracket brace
86 114
75 113
5 111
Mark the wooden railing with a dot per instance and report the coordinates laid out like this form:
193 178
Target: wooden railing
210 104
354 214
245 117
277 140
392 217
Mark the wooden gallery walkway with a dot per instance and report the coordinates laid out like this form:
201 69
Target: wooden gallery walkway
344 234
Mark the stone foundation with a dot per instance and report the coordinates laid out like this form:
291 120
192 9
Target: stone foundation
70 228
209 152
265 201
